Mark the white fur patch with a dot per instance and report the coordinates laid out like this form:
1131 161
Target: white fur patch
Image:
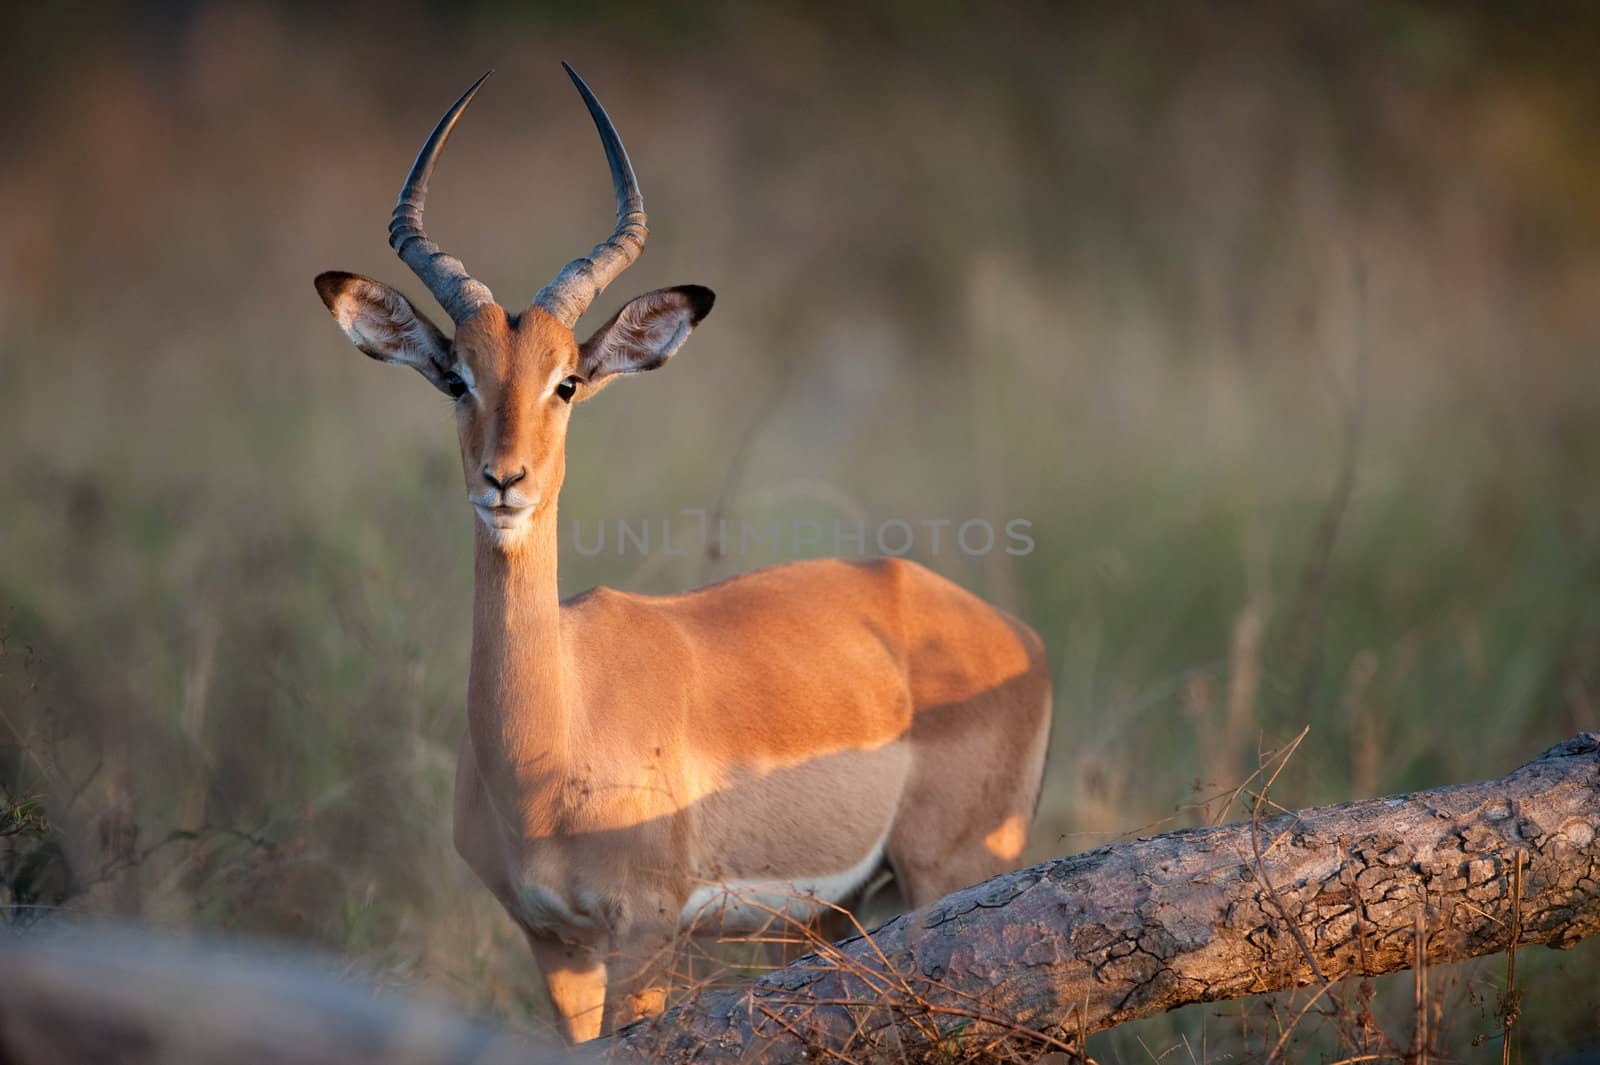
504 527
748 905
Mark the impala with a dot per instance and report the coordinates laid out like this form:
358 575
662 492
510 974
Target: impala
632 763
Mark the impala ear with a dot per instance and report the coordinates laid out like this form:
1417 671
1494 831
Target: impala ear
644 334
384 324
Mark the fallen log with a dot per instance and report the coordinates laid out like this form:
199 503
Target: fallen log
1036 959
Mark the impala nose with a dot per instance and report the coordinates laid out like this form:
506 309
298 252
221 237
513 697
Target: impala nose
504 480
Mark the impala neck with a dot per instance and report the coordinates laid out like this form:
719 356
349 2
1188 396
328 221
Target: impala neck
516 698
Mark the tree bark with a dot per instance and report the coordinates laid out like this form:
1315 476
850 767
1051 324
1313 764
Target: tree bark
1034 960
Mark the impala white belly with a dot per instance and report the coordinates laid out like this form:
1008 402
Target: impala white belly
748 905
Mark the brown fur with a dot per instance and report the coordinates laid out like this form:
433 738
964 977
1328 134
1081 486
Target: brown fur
624 750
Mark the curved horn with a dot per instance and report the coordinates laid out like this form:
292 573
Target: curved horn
444 275
581 280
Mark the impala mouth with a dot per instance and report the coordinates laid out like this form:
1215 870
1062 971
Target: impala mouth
502 516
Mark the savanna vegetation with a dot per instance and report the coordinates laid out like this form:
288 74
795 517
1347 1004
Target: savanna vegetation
1274 325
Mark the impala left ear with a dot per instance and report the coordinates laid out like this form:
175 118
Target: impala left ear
644 334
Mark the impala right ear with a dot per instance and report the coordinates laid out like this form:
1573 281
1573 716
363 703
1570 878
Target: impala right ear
643 334
384 324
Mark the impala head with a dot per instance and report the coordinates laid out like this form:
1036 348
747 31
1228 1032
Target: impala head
514 377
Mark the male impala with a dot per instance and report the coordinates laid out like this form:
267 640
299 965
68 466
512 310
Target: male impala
792 730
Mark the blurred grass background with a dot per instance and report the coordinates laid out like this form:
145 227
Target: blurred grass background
1277 322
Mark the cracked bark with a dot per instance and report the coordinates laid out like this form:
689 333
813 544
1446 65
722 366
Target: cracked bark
1080 944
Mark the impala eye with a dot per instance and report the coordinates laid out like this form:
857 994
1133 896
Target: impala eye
565 390
455 385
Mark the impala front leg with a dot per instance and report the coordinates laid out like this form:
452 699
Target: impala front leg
575 977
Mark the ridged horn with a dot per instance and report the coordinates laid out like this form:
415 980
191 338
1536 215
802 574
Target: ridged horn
444 274
581 280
